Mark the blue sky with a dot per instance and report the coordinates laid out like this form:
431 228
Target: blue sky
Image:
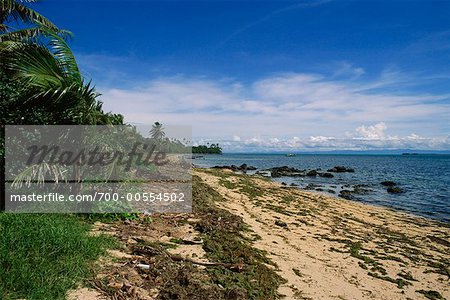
274 74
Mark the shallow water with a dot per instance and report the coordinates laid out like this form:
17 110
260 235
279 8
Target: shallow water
425 178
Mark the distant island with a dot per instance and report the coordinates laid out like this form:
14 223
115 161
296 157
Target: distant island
204 149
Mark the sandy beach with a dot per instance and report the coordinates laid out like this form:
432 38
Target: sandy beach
330 248
320 247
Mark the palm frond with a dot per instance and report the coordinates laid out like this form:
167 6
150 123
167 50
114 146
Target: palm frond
63 54
32 63
12 10
28 34
39 173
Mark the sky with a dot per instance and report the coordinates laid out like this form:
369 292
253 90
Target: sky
271 75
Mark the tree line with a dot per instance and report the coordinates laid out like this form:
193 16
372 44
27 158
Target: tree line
207 149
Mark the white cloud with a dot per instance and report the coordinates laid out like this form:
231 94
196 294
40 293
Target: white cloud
258 143
321 139
374 132
271 111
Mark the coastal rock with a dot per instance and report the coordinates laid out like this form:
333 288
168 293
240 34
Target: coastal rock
361 189
326 175
388 183
245 167
346 194
311 186
340 169
285 171
242 168
312 173
395 190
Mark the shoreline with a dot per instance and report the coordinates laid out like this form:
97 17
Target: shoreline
341 248
360 192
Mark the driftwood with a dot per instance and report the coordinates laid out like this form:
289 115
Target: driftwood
150 251
237 267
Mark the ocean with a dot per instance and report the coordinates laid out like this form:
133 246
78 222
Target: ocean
425 179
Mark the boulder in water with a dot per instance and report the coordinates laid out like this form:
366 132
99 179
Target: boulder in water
312 173
327 175
395 190
340 169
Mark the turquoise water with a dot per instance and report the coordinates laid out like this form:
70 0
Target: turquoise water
424 178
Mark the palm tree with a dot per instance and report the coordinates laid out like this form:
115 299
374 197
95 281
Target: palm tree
157 132
50 72
16 12
39 61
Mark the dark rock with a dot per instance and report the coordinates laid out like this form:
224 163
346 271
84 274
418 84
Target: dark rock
244 168
312 173
294 184
395 190
327 175
388 183
285 171
283 183
346 194
311 186
341 169
281 223
319 189
361 190
331 191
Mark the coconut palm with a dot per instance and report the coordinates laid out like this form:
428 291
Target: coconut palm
157 132
17 12
40 78
50 73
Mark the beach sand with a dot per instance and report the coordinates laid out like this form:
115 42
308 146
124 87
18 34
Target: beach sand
331 248
323 247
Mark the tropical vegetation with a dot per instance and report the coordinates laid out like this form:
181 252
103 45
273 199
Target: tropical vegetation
43 256
207 149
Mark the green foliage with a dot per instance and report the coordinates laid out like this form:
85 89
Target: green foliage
14 11
211 149
42 256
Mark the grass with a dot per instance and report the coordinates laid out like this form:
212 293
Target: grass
43 256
